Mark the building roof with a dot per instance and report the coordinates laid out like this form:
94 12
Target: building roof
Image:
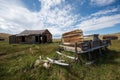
31 32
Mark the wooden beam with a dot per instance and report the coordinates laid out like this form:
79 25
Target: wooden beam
71 35
70 57
57 62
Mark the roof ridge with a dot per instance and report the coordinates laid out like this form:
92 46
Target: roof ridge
30 32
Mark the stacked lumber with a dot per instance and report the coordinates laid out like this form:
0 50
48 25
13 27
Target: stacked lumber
73 36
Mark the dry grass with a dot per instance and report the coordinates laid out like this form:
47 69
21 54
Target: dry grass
5 36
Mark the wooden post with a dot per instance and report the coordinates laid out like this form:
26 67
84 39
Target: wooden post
90 56
76 52
76 47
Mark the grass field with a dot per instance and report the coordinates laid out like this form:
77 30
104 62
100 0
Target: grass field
17 60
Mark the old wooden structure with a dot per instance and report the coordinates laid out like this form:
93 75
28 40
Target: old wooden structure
31 37
74 41
72 36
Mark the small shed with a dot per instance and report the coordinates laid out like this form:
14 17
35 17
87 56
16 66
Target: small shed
31 37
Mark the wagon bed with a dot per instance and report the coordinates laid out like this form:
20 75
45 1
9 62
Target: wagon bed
85 47
74 41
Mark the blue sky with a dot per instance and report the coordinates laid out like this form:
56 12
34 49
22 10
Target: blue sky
59 16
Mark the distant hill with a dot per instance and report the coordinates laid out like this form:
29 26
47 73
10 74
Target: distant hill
5 36
115 34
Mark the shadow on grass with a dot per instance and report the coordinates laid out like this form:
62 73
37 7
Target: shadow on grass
104 61
109 57
105 57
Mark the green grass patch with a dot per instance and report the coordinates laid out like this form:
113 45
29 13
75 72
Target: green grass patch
17 63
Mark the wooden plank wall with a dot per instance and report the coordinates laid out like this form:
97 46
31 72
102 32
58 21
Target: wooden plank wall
12 39
73 36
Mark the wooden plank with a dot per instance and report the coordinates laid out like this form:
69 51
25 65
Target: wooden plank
71 35
73 32
79 50
57 62
72 44
70 57
73 39
69 48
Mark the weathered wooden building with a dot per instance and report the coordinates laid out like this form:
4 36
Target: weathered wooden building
31 37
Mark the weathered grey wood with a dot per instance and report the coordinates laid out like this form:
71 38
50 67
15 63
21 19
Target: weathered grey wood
65 55
73 41
31 37
79 50
57 62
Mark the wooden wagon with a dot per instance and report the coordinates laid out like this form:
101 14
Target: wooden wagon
74 41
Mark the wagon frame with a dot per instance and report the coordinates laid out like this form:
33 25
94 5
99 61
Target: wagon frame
74 41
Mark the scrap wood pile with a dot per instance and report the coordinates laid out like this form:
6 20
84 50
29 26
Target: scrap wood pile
75 43
59 61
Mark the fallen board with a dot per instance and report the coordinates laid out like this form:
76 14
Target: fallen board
57 62
66 55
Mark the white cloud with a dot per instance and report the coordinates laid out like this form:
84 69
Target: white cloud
103 12
100 23
15 17
49 3
100 20
102 2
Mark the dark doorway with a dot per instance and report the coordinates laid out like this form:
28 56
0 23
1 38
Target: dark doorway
44 39
23 38
36 38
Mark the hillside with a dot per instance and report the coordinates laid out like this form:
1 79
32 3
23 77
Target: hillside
115 34
5 36
17 63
